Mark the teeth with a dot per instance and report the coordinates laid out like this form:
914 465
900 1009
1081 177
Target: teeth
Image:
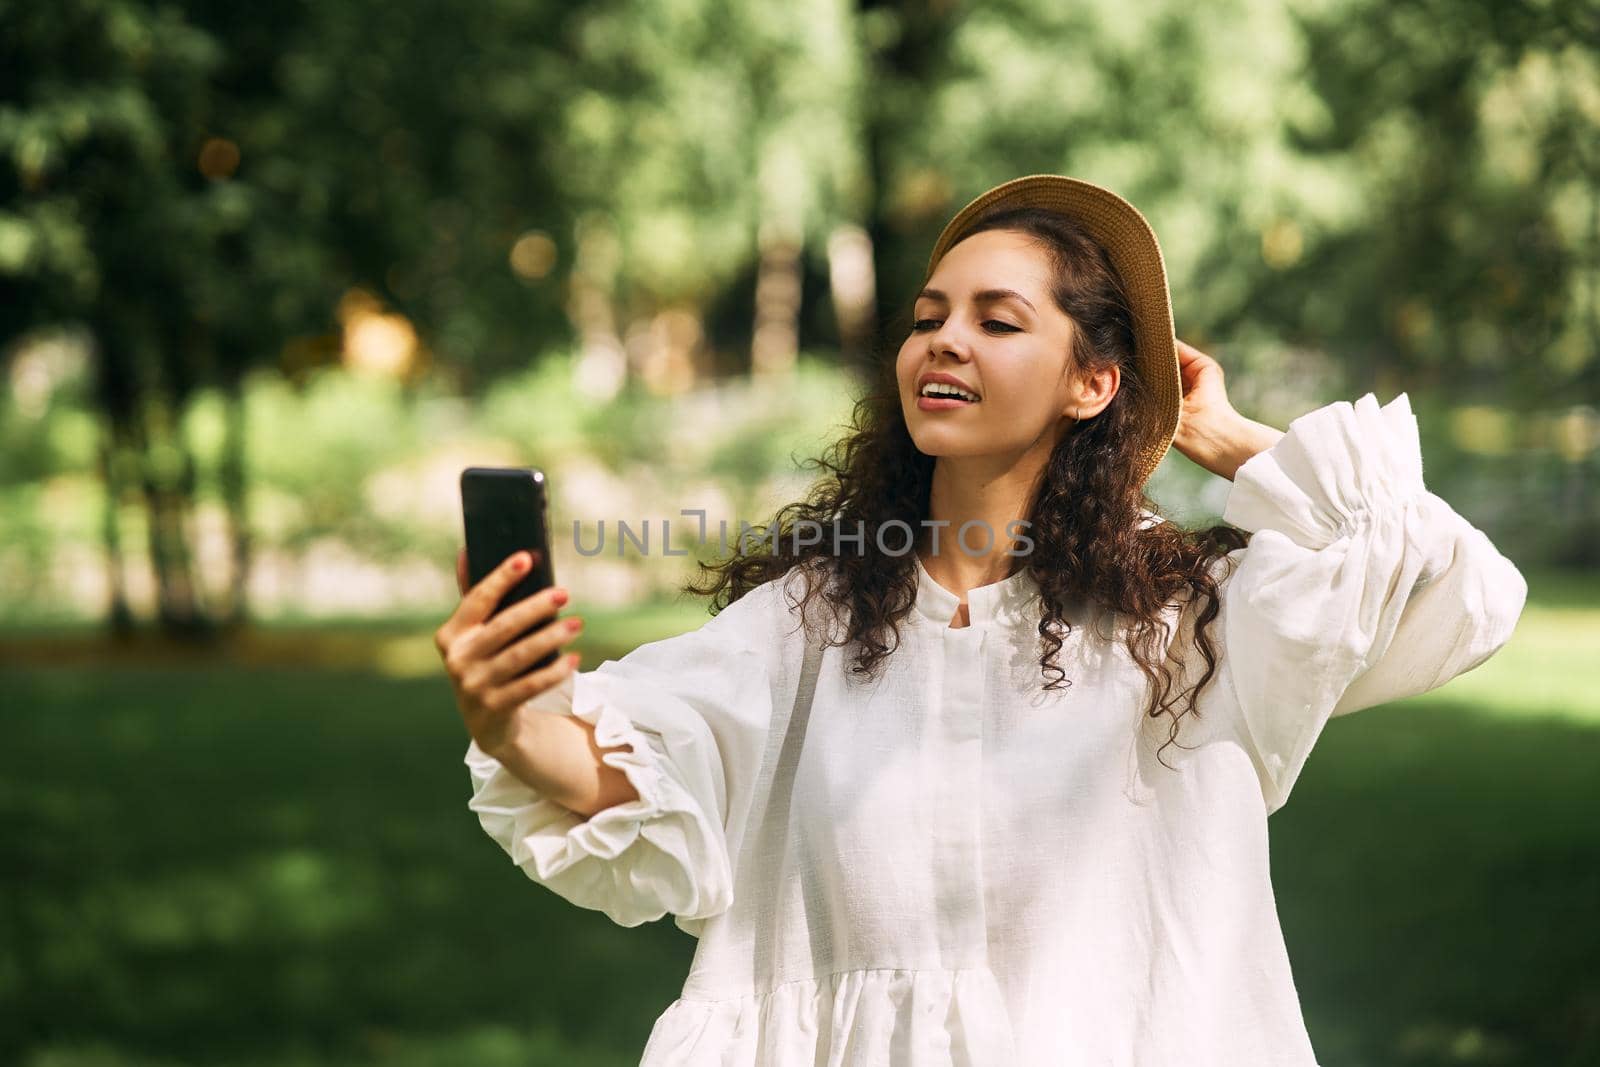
946 389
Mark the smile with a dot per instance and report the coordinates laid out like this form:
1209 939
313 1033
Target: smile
944 390
942 403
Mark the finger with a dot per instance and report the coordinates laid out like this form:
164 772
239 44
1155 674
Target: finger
514 695
531 649
480 601
493 636
461 571
1199 366
522 616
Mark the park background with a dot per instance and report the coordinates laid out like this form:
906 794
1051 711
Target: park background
275 273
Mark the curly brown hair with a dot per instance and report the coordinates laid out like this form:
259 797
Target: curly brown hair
1090 545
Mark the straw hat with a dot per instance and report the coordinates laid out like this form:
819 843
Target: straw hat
1131 243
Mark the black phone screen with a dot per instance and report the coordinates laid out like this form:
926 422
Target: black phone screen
504 511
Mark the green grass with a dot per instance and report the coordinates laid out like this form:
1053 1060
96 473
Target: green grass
236 864
223 865
1551 664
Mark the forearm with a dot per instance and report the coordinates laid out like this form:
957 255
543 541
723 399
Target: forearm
556 754
1237 442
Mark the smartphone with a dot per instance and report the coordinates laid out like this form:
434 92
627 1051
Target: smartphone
503 510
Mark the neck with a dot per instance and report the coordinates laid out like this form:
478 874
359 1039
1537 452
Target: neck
991 492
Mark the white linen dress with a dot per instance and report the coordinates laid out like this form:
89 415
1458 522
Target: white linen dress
953 866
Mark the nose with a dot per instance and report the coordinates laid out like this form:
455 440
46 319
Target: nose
948 339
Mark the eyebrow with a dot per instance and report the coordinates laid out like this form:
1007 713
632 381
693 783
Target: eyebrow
983 296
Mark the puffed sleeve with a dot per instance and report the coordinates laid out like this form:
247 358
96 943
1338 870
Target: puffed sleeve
1358 586
693 711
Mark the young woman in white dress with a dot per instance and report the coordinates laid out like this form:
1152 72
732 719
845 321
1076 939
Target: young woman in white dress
981 775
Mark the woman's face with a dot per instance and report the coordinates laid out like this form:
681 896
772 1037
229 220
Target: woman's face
1013 351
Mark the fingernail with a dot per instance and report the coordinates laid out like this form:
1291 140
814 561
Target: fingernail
520 563
559 596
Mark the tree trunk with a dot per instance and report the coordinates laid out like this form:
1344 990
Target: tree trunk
232 476
774 345
602 366
119 617
851 287
116 396
168 484
780 240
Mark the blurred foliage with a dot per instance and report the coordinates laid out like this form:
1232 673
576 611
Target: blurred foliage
202 198
361 460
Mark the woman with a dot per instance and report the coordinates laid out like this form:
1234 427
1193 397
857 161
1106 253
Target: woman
937 822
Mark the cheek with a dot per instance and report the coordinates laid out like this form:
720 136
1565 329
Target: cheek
1013 390
1028 383
1026 403
905 371
904 363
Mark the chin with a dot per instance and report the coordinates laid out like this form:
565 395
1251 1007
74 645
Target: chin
939 443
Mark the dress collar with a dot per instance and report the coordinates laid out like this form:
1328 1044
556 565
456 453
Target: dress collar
1009 600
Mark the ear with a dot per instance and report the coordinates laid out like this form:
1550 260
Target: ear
1092 393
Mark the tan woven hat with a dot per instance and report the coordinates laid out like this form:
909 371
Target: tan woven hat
1131 243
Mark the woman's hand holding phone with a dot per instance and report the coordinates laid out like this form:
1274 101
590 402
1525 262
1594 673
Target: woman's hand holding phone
484 659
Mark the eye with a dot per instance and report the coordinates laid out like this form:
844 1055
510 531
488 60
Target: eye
921 324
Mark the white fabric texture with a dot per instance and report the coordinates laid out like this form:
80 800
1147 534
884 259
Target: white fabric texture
952 865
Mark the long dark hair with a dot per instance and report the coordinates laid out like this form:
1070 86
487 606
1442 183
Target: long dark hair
1090 541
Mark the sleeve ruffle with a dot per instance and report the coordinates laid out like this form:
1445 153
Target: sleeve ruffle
635 861
1336 467
1358 585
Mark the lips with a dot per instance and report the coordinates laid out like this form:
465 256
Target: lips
943 379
